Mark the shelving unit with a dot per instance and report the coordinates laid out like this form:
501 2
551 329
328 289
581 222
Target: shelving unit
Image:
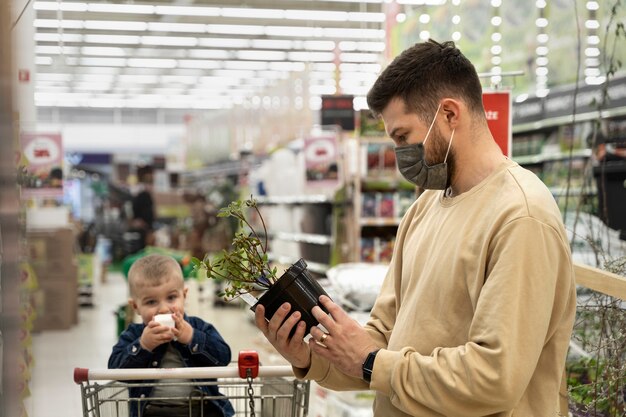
312 241
380 197
546 128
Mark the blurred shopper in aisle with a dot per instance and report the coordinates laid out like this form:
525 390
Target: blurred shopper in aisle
475 314
142 223
156 286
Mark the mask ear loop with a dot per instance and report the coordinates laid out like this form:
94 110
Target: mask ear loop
431 124
449 146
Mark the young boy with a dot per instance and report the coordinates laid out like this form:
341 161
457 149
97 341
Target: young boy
156 287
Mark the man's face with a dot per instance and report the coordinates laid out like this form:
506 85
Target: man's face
406 128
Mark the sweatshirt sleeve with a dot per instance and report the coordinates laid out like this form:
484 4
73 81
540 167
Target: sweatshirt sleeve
529 262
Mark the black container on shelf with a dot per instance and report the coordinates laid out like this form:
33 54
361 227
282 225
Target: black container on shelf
297 287
611 182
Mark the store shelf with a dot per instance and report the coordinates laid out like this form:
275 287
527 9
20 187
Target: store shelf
297 199
541 158
380 221
303 238
288 260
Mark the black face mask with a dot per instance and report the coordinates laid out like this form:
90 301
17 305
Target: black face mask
410 159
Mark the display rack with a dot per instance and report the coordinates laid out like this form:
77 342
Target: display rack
380 199
313 241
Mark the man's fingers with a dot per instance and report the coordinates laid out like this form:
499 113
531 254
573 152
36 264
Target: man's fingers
259 318
278 318
287 325
332 308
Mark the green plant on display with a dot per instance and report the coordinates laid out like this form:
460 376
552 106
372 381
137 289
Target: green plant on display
596 378
245 268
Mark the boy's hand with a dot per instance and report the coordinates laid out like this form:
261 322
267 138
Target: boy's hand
183 331
155 334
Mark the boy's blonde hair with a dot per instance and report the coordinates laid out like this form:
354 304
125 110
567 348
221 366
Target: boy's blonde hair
151 269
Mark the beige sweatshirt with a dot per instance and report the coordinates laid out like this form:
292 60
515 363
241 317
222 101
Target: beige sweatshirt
475 314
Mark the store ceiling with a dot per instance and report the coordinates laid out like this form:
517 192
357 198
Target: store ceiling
201 54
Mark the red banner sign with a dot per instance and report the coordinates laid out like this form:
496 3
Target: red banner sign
498 111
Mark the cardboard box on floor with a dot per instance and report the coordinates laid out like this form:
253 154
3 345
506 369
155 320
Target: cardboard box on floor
46 245
58 295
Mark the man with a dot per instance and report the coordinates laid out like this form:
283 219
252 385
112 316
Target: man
475 314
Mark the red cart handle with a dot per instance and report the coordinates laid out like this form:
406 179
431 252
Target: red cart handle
248 364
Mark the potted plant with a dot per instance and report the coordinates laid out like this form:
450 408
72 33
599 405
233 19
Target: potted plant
246 270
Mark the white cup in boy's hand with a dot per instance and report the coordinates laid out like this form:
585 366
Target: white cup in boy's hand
165 319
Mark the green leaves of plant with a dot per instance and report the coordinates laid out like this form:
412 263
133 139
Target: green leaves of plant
245 267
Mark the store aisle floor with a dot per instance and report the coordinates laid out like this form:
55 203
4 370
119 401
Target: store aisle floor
89 343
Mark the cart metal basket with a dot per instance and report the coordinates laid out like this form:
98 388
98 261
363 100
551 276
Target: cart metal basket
264 391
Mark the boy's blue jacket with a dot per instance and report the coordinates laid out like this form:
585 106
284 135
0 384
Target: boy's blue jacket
207 348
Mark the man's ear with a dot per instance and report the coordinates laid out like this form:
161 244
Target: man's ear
185 289
132 304
452 109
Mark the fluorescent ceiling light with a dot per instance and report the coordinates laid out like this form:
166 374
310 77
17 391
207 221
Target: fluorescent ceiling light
236 29
64 6
93 78
272 75
208 80
103 50
375 68
187 11
209 53
224 42
362 46
56 50
316 15
246 12
366 77
322 89
321 75
43 60
287 66
198 64
54 24
103 62
354 33
243 75
272 44
120 8
319 45
113 39
245 65
169 40
176 27
366 17
87 86
299 31
179 79
52 76
359 57
151 63
262 55
56 37
138 79
115 25
324 66
311 56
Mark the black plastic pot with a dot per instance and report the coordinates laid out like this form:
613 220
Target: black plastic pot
298 288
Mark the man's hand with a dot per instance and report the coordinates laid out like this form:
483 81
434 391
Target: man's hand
183 332
155 334
346 345
277 332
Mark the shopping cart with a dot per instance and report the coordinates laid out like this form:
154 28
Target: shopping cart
253 390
